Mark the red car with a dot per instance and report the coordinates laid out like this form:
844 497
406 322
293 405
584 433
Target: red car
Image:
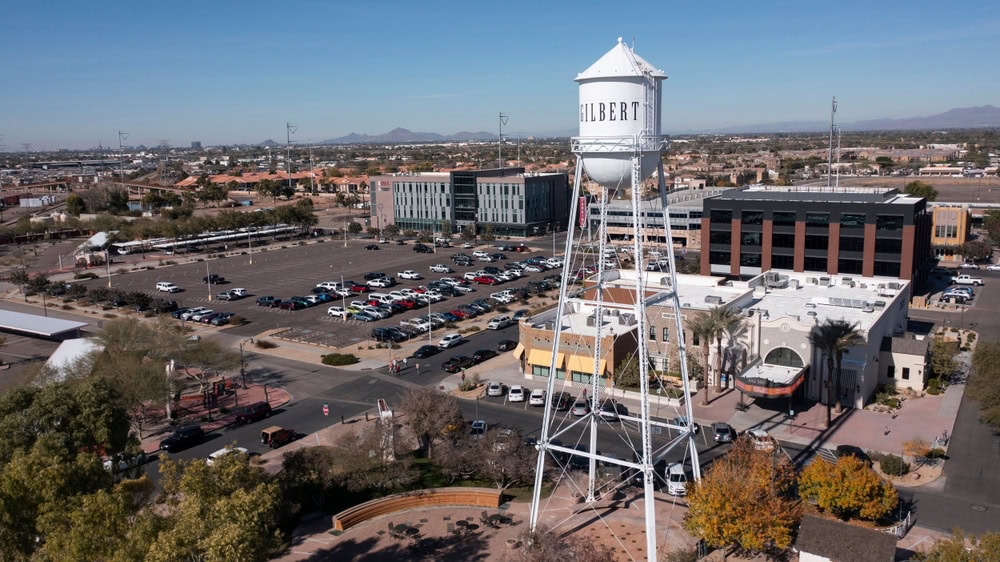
375 302
461 315
486 280
356 287
408 304
291 305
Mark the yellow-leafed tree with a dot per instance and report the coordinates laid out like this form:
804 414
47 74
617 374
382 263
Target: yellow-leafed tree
745 500
849 489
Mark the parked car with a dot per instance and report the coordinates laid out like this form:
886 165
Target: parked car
993 267
483 354
676 479
494 388
968 265
561 401
371 247
537 397
684 425
166 287
760 439
373 275
268 301
290 305
422 249
222 318
516 393
612 411
853 451
253 412
581 407
440 268
499 322
225 451
410 274
182 438
214 279
723 432
337 312
506 345
478 429
450 340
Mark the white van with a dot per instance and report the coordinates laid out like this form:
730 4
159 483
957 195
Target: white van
167 287
381 297
676 479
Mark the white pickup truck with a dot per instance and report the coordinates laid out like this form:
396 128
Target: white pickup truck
966 279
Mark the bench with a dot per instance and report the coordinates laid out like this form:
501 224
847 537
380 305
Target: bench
431 497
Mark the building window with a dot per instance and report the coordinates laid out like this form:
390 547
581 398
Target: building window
719 258
724 237
849 266
852 244
891 371
817 242
751 238
752 217
539 371
888 245
750 260
723 217
784 357
666 334
889 222
814 263
887 268
779 261
695 340
779 240
852 220
817 219
652 333
906 373
784 218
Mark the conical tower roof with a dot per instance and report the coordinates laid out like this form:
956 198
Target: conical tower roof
620 61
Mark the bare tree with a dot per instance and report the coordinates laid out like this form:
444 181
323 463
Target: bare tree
368 460
431 415
504 459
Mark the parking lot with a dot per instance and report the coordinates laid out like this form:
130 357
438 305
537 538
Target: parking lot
297 268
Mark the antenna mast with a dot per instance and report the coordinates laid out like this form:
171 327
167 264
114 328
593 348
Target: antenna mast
503 121
829 170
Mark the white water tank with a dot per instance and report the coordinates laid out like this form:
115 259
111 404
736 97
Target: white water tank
619 107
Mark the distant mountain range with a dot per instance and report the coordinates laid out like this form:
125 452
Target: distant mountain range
958 118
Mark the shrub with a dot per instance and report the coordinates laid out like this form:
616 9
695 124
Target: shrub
936 453
86 275
934 386
238 320
971 337
265 344
337 359
469 383
67 307
894 466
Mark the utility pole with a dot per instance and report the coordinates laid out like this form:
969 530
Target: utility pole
122 136
289 130
829 170
503 121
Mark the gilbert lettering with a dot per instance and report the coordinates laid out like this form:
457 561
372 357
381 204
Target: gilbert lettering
608 111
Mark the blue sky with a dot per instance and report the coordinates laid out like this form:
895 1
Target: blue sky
75 73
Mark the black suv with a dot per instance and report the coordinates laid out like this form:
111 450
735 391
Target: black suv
373 275
423 249
213 279
183 438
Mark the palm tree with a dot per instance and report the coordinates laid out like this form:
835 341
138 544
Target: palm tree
703 327
721 318
834 338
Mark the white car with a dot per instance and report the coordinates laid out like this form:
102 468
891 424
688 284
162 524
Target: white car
397 296
345 292
968 266
337 312
434 296
380 283
533 268
167 287
226 451
515 393
499 322
993 267
470 276
537 397
239 292
328 285
468 245
494 388
197 310
761 440
410 274
480 254
450 340
440 268
503 296
200 315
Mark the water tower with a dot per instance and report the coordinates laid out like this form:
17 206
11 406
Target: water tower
619 146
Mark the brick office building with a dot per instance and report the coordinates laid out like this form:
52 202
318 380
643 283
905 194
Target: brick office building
861 231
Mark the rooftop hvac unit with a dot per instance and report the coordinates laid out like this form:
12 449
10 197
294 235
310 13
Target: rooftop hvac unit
713 299
824 281
550 325
847 281
591 321
811 313
894 285
811 281
868 308
810 305
879 304
793 283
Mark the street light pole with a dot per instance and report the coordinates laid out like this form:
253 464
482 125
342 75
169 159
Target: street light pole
208 279
250 242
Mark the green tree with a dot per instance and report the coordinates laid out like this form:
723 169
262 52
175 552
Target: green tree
849 489
703 328
354 227
991 222
977 250
627 373
722 319
833 338
75 205
745 500
943 354
391 231
918 188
